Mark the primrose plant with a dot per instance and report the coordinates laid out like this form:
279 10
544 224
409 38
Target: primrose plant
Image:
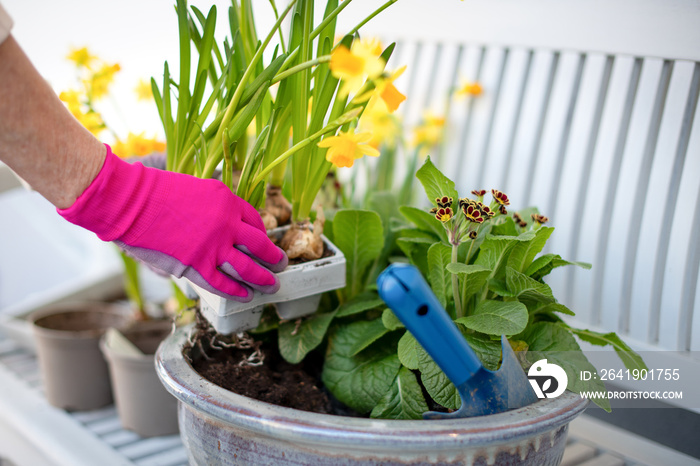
486 268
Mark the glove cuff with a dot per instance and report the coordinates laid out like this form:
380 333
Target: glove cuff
122 200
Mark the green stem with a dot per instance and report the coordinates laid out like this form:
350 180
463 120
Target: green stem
369 18
279 29
459 312
300 67
332 126
248 72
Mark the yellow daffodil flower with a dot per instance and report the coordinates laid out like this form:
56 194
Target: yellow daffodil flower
470 88
99 82
385 91
384 127
347 147
81 57
363 60
138 145
143 90
429 133
72 100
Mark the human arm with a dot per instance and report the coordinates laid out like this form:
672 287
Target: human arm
179 224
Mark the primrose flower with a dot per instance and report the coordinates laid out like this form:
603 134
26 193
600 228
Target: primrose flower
352 66
430 132
471 210
347 147
500 197
138 145
444 202
540 219
81 57
470 88
443 214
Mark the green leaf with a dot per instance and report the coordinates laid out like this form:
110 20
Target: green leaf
359 234
555 343
497 318
390 321
473 277
524 252
520 284
439 257
360 303
555 307
416 249
507 228
425 221
408 351
629 357
540 270
370 331
404 400
436 184
294 346
487 349
359 381
539 263
494 251
436 382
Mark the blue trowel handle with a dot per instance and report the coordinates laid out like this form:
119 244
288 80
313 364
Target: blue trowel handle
405 291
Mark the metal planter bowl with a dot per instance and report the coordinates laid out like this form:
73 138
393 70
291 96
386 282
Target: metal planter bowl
221 427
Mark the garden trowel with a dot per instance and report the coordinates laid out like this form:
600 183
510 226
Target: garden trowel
482 391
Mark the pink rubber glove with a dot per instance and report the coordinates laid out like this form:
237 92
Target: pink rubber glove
182 225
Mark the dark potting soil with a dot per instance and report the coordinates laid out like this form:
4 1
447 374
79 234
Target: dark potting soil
275 381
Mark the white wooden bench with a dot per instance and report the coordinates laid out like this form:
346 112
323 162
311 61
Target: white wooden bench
589 113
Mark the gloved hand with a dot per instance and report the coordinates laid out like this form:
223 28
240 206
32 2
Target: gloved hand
182 225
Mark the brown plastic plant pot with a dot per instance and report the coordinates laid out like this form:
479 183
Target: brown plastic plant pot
143 404
73 369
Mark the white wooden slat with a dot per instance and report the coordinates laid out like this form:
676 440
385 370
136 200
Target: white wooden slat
640 196
633 447
604 460
610 192
669 211
577 453
121 438
104 426
172 457
466 125
584 187
515 125
541 120
496 95
87 417
649 28
150 446
62 438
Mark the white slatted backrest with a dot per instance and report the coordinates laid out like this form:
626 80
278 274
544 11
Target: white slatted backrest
589 113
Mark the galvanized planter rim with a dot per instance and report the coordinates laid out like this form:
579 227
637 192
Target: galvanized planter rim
293 425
